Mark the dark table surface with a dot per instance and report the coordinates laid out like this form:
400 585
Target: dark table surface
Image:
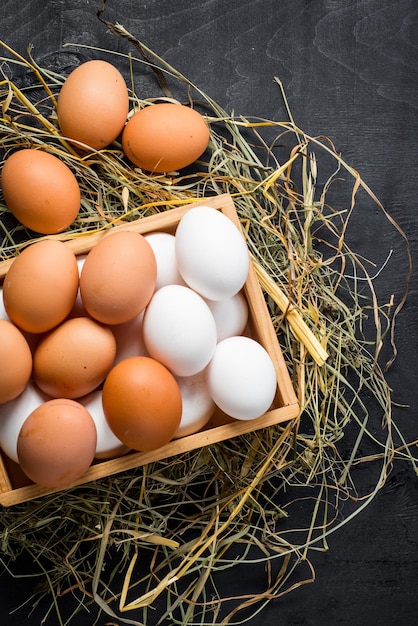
350 71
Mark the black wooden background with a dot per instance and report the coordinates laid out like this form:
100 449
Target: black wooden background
350 71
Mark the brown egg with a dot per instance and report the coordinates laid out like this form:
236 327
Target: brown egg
93 104
165 137
118 277
74 358
56 443
41 285
15 360
142 403
40 190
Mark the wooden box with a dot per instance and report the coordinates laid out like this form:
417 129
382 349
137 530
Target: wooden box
13 489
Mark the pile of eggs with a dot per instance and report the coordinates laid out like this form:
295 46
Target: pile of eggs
42 192
134 344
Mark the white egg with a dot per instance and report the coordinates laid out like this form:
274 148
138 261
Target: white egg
241 378
14 413
108 446
231 315
163 246
129 339
179 330
211 253
197 404
3 314
80 262
78 309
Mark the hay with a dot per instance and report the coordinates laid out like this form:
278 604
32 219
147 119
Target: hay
174 529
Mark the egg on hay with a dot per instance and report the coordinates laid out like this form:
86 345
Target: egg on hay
93 104
165 137
40 190
281 233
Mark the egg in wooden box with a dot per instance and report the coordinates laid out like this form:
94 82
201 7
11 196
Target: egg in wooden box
129 338
219 427
118 277
241 378
230 315
15 361
212 255
179 330
197 404
74 358
163 246
57 442
213 260
14 413
40 287
108 446
142 403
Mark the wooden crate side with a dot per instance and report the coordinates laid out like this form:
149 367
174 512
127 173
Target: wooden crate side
5 484
173 448
81 243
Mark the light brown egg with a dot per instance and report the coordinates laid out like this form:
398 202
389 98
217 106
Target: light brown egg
56 443
118 277
40 190
74 358
142 403
15 361
41 285
93 104
165 137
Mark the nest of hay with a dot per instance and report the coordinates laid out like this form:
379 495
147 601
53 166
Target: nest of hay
174 529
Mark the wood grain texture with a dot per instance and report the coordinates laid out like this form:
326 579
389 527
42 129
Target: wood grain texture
350 72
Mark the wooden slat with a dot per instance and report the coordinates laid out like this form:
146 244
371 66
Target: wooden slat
82 243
